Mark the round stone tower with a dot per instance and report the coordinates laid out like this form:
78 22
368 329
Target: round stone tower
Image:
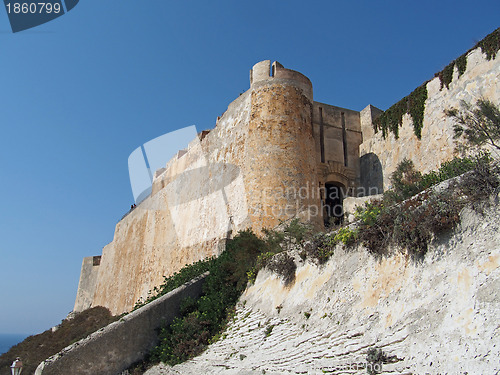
281 172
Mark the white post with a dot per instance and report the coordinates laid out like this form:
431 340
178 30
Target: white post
17 366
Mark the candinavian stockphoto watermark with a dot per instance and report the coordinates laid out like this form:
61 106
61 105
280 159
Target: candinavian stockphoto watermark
26 14
172 173
344 368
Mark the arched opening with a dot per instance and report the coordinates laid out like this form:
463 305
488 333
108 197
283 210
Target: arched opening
333 208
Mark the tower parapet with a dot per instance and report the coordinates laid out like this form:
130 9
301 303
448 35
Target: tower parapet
264 73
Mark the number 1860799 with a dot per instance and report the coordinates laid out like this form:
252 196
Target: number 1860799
33 8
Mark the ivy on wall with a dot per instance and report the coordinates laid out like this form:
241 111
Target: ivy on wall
446 75
392 119
416 107
461 64
414 104
490 45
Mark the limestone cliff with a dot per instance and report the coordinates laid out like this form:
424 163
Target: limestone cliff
439 315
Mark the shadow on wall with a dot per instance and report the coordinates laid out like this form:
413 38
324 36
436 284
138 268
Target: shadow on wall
372 177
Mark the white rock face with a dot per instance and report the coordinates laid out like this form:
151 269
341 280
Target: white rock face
439 315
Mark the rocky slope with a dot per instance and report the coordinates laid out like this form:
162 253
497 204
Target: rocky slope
437 315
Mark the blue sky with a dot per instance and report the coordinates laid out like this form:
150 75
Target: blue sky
80 93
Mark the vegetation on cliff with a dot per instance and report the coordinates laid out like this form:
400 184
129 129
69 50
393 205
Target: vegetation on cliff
489 47
414 222
202 321
176 280
409 216
37 348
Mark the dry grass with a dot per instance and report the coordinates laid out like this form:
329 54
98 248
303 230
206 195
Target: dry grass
37 348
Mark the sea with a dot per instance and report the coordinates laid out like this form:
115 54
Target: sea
9 340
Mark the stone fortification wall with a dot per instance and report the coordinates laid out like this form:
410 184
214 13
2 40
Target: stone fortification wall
88 283
119 345
438 315
480 80
194 203
247 172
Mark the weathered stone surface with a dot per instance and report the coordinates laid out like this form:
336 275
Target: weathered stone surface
279 151
193 204
439 315
117 346
87 283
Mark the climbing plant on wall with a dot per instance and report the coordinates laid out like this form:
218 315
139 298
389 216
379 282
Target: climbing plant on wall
491 44
414 104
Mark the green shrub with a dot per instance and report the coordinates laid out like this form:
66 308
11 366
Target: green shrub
447 170
297 232
320 248
375 229
405 180
375 357
202 320
273 240
478 124
419 219
268 330
283 265
183 339
369 214
482 182
346 236
413 223
176 280
277 241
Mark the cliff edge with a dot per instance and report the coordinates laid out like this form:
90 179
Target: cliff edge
439 315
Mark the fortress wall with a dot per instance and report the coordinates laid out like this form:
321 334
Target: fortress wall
480 80
246 172
88 283
182 221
